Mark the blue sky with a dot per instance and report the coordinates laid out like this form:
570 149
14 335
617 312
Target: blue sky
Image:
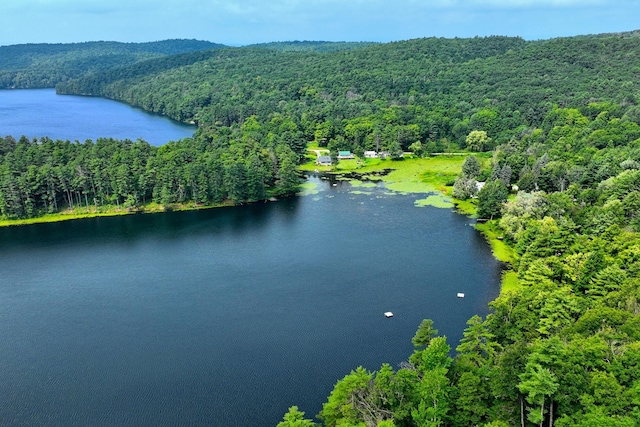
239 22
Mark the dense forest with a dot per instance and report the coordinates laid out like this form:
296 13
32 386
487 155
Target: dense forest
46 176
562 190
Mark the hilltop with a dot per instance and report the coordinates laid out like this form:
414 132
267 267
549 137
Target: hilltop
41 65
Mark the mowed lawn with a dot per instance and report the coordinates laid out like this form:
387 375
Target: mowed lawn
410 175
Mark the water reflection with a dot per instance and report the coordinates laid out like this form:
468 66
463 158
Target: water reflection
237 221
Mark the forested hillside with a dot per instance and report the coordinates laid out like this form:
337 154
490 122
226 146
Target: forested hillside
430 90
240 82
562 196
45 65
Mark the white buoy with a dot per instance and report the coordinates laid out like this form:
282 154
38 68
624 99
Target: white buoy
460 295
388 314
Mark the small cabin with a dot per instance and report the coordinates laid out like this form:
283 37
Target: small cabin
324 161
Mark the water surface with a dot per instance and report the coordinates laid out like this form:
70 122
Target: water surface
225 317
41 112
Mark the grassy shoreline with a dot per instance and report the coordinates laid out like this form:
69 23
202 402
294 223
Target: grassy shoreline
414 175
106 211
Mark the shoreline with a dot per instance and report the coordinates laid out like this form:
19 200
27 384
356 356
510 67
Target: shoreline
150 208
396 177
429 176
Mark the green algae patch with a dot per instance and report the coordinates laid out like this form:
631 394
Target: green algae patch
428 175
410 175
309 188
362 184
502 252
467 207
437 201
59 217
108 211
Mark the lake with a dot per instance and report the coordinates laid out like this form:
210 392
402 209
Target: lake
41 112
226 317
223 317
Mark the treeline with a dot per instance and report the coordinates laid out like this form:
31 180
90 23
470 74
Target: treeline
562 348
242 164
29 66
308 45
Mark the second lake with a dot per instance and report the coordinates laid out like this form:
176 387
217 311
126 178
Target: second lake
36 113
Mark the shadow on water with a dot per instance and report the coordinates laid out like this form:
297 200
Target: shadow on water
237 221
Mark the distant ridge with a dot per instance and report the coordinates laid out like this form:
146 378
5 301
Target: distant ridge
40 65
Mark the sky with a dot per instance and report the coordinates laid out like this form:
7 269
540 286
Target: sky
241 22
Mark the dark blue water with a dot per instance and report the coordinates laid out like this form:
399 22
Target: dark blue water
40 112
225 317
